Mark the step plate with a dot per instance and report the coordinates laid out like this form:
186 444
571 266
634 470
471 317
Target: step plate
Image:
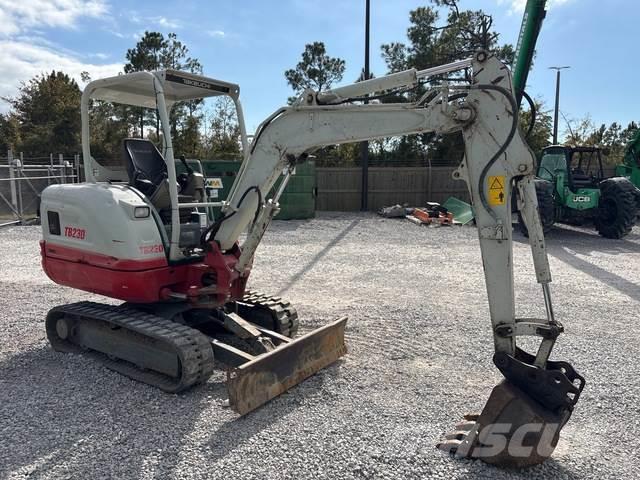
268 375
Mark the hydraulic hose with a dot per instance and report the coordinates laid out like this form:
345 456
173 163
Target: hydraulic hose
212 230
514 128
532 109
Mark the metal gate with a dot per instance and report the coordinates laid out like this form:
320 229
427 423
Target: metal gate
22 180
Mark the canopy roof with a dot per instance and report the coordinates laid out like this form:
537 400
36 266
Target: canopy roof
138 88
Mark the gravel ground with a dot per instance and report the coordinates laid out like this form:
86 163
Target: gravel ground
419 357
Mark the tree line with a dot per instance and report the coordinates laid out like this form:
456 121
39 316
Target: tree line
45 115
439 34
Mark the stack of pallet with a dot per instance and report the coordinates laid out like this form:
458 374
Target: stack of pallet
433 214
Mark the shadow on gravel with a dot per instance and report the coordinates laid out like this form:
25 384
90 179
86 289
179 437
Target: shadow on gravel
585 241
63 414
289 225
564 244
233 434
613 280
297 276
549 469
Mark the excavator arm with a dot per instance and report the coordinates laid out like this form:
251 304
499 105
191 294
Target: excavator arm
537 395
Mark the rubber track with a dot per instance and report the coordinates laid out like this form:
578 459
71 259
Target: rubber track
281 310
192 347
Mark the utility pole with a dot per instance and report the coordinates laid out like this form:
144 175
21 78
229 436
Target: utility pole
555 115
364 146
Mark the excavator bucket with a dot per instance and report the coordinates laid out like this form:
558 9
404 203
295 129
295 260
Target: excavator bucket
520 424
268 375
512 430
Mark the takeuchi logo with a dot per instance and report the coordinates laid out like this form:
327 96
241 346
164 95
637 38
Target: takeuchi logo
196 83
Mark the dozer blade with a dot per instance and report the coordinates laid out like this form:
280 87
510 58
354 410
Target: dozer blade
268 375
512 431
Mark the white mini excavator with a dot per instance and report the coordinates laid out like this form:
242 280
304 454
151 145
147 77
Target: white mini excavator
142 234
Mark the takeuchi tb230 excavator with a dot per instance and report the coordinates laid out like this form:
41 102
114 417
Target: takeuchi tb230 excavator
141 234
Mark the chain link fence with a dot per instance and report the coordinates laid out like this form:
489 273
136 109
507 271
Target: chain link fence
22 180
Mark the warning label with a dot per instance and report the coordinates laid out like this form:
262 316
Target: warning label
214 182
497 195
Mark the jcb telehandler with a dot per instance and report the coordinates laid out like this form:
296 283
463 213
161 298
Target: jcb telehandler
572 188
139 233
630 167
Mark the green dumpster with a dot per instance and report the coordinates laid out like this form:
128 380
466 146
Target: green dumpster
297 202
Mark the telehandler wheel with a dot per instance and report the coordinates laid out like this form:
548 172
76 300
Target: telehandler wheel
546 208
637 192
617 209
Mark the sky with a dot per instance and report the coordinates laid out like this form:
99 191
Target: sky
252 43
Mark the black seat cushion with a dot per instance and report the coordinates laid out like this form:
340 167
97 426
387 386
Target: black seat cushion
580 180
145 164
148 173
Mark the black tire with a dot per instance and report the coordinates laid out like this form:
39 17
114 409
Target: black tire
617 209
546 207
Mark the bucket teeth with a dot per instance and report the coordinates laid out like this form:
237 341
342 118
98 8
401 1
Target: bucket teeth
512 431
465 426
460 441
462 430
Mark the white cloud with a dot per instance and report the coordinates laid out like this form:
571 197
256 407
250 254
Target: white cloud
165 22
216 33
20 61
159 21
24 53
19 15
517 6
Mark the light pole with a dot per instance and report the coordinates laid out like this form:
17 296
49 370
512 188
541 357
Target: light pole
555 115
364 146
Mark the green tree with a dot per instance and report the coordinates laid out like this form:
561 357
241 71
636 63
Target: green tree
184 117
154 51
9 133
432 42
47 110
109 124
580 132
223 138
147 55
540 136
316 70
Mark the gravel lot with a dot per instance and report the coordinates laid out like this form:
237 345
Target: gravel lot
419 357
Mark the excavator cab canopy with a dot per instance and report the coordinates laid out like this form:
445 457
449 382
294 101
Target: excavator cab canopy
159 90
140 89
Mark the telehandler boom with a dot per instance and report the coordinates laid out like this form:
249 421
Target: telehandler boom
140 234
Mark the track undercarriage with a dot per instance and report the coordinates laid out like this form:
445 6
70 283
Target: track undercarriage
252 337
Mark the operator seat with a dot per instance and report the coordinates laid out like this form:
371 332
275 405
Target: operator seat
147 170
148 173
580 180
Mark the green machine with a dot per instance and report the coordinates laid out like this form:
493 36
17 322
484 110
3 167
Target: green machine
571 188
570 184
297 202
631 164
534 14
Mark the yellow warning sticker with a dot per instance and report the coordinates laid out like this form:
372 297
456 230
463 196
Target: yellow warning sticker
497 195
214 182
